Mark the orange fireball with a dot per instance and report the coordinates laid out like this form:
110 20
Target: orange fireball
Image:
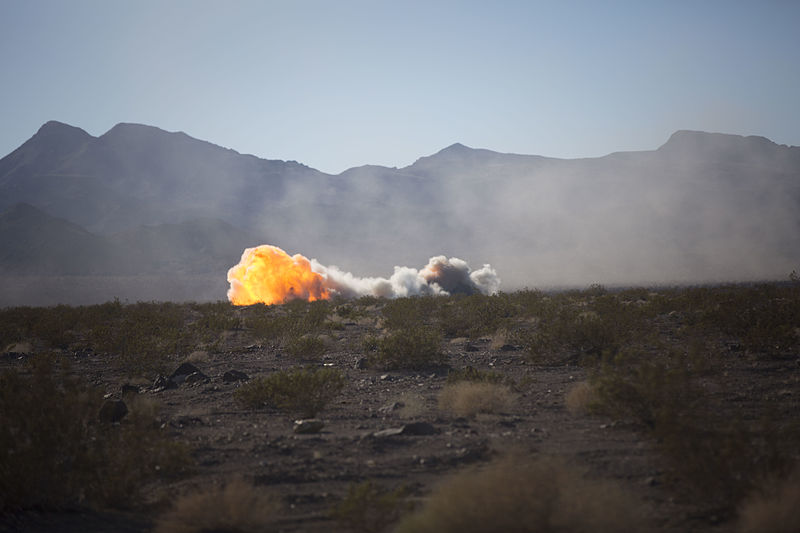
266 274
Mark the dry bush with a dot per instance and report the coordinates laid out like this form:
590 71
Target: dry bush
776 509
409 348
237 507
580 398
468 398
520 495
369 508
57 453
304 392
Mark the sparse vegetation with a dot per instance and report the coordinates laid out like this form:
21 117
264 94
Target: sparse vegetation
303 392
58 454
516 494
412 348
236 507
468 398
367 508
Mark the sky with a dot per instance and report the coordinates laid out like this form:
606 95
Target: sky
338 84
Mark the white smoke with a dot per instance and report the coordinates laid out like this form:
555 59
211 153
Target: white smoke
441 276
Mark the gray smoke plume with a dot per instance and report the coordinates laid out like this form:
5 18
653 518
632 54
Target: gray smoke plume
441 276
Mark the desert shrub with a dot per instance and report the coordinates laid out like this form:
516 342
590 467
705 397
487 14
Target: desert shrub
521 495
303 392
470 373
288 322
648 389
468 398
721 458
57 453
773 508
236 507
305 347
584 332
474 315
763 318
411 348
368 508
581 397
410 313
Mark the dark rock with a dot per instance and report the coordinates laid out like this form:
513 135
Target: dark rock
112 411
419 428
361 364
195 377
182 371
234 375
163 383
129 390
308 425
470 348
509 348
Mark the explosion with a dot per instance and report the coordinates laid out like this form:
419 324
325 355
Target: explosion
266 274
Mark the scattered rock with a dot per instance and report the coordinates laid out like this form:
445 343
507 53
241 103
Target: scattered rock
308 425
112 411
182 373
412 429
195 377
389 432
419 428
234 375
509 348
163 383
390 407
361 364
129 390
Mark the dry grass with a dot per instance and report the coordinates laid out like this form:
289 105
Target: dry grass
238 507
468 398
580 398
519 495
774 510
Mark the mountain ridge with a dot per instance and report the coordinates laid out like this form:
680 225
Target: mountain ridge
702 206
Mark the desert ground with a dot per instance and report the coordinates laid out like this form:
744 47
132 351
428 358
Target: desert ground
682 402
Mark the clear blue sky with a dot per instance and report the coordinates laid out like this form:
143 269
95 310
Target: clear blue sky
336 84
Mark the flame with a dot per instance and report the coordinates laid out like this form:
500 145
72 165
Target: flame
266 274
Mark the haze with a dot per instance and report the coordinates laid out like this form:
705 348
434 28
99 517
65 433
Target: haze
340 84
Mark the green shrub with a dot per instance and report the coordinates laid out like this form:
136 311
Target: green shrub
369 509
302 392
57 453
412 348
306 347
410 313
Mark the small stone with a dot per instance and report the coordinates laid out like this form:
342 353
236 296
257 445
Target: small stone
392 406
386 377
129 389
234 375
112 411
389 432
361 364
308 425
163 383
419 428
183 371
195 377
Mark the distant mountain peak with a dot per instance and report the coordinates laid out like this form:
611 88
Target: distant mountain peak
56 130
702 140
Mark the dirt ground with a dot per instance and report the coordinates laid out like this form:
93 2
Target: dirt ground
310 473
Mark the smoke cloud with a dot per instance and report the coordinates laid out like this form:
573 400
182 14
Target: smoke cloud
267 274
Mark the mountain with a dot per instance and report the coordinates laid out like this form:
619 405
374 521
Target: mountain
701 207
35 243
